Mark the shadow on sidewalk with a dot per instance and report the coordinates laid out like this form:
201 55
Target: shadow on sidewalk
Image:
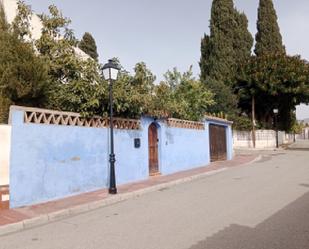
287 229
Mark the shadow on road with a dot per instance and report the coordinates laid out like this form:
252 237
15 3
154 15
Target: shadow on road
287 229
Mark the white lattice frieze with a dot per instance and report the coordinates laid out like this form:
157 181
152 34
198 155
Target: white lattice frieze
50 117
186 124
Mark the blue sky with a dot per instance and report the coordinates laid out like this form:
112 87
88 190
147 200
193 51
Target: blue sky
167 33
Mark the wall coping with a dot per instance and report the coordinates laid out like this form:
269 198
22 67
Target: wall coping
52 117
186 124
216 119
258 130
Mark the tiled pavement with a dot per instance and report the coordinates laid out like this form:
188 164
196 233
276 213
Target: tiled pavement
13 216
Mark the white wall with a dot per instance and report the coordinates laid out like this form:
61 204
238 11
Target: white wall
10 8
264 139
305 134
5 142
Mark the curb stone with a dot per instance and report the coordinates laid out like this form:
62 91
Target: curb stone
59 215
258 158
66 213
78 209
11 228
36 221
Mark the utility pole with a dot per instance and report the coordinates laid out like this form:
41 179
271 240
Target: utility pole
276 111
253 121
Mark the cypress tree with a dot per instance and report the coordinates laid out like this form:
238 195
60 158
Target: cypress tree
268 44
217 49
228 45
223 51
268 37
243 40
205 57
88 45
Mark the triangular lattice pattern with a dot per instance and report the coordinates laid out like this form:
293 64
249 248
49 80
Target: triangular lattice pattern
74 119
178 123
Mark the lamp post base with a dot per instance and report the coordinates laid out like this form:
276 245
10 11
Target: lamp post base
112 191
112 185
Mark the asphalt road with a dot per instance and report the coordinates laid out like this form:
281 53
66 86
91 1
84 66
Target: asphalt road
264 205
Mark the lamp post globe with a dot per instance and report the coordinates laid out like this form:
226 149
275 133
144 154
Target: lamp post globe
110 72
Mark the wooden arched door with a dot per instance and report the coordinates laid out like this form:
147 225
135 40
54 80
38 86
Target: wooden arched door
153 149
217 140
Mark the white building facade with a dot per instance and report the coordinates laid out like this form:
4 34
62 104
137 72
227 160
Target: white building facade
10 9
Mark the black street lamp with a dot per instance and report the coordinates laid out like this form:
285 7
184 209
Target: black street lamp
110 72
276 111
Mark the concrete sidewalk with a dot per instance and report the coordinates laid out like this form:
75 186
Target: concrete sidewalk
23 218
300 145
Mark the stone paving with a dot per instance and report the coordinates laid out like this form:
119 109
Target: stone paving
14 216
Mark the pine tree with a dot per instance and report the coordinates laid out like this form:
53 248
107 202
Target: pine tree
268 37
284 86
4 26
88 45
23 75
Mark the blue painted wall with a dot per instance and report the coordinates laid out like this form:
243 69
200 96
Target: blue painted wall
182 149
52 161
